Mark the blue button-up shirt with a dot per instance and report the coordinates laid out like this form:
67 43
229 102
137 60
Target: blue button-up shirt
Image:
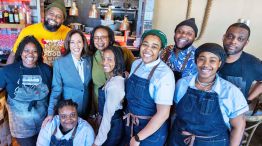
176 62
162 83
231 100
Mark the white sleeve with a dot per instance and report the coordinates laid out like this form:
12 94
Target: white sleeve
44 136
164 90
114 95
90 136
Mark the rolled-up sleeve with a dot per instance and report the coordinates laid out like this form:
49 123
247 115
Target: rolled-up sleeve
164 89
238 104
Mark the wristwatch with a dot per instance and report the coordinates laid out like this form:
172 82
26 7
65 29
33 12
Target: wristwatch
137 138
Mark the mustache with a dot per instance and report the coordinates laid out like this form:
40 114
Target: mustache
51 27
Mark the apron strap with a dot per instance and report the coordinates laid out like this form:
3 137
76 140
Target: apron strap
73 133
152 72
138 66
185 61
134 120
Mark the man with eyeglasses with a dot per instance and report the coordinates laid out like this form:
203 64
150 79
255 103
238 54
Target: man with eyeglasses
180 56
66 128
50 34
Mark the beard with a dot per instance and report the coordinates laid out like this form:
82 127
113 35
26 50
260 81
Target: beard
232 52
51 27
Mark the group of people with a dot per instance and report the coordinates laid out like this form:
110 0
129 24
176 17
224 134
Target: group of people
130 99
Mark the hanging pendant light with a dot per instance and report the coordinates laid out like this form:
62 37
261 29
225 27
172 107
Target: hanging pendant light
73 11
109 14
93 13
125 24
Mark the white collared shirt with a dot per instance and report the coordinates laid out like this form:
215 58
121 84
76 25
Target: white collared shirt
79 64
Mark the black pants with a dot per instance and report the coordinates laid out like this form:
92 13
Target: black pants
29 141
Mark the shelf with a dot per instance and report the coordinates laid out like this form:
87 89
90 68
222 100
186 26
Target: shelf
5 25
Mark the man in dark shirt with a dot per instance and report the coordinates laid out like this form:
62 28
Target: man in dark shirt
241 68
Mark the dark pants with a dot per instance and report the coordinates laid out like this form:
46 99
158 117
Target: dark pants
30 141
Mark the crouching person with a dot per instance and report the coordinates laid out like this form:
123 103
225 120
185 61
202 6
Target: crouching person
66 128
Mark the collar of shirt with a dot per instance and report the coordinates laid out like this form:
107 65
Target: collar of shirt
76 61
150 65
215 88
186 51
98 56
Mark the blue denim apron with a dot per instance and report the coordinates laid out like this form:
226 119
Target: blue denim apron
58 142
28 108
141 108
199 121
116 132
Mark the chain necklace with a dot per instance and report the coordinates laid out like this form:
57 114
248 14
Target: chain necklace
204 84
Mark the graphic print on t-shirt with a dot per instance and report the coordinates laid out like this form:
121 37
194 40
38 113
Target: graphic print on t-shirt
52 50
238 81
29 81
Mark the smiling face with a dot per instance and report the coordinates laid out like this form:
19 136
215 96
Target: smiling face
184 37
29 55
76 45
53 19
101 39
108 62
68 117
235 40
150 48
207 66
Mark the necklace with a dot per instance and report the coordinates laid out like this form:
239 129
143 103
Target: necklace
204 84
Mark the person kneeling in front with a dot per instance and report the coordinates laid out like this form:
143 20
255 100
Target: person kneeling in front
66 128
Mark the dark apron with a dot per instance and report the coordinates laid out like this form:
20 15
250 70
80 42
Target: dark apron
141 108
28 108
178 74
57 142
199 121
116 132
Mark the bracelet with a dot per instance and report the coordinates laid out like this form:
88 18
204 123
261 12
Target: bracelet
137 138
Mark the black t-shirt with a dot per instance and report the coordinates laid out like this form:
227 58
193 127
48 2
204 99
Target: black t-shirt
9 76
243 72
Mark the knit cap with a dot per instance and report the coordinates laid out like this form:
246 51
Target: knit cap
58 4
212 48
189 22
157 33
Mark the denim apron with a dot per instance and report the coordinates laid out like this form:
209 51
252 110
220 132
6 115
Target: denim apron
28 108
141 108
58 142
199 121
116 132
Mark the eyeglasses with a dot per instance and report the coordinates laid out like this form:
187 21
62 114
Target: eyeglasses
102 38
71 116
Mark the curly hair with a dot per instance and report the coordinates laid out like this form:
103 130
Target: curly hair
111 37
85 51
26 40
66 102
119 68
